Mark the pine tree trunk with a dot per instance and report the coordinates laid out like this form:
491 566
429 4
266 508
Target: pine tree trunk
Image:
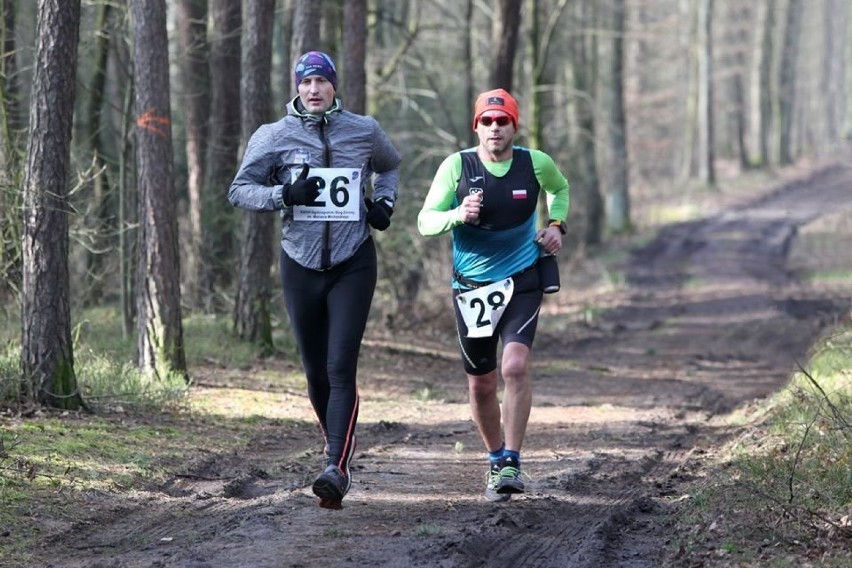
160 329
616 184
219 220
47 358
504 40
252 320
705 155
96 202
355 55
306 30
10 164
787 88
195 77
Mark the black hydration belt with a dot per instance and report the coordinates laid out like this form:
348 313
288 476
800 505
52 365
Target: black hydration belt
468 283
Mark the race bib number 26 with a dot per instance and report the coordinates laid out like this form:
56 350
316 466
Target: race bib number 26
338 199
483 307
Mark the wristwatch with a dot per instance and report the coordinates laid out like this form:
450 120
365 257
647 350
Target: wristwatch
561 224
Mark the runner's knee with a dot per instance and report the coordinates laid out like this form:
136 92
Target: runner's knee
482 387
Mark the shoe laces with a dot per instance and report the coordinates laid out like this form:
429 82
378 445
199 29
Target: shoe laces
509 471
493 475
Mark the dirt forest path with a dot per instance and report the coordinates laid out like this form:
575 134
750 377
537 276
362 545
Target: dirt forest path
710 319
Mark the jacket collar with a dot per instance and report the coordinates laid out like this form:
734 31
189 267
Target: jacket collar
296 108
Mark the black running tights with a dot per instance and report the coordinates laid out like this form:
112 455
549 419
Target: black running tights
328 312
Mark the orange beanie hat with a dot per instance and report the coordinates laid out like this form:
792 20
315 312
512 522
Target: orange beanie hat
497 99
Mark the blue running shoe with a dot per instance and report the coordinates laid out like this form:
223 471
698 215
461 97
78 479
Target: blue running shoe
509 477
492 479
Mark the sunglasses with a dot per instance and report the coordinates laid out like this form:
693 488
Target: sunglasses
500 120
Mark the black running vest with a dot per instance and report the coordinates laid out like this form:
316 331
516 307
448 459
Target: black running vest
507 201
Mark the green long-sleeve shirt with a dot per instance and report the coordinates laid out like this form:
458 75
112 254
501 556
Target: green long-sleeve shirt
478 253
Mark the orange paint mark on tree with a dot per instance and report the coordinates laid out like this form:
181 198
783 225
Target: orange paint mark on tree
156 124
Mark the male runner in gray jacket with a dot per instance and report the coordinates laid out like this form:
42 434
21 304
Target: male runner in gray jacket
314 165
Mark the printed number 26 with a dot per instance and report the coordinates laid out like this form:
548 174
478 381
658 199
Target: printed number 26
338 192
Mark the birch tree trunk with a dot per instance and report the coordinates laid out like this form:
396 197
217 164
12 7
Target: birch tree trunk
541 41
469 89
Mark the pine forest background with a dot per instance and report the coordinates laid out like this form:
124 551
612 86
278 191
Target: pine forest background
658 99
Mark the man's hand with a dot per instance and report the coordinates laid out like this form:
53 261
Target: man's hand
469 209
378 213
302 191
549 239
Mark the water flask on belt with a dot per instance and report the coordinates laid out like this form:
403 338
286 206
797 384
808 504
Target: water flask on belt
548 273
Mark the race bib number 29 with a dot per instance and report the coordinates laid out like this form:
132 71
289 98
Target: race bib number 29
338 199
483 307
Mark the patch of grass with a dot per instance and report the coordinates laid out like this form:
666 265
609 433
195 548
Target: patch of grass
106 382
211 339
430 393
830 276
104 359
591 314
92 453
699 501
101 329
208 338
618 256
695 283
428 530
51 464
556 366
667 213
784 489
10 365
141 432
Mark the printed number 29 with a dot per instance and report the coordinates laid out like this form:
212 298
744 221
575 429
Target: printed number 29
495 300
338 192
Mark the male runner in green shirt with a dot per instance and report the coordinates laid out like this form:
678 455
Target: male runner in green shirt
486 197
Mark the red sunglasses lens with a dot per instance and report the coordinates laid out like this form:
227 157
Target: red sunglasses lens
500 120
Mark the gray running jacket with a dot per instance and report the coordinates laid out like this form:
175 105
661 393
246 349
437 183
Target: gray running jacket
336 139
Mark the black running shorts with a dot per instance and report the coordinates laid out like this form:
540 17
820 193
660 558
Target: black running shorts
518 324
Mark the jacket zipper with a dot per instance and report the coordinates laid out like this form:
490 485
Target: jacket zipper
325 262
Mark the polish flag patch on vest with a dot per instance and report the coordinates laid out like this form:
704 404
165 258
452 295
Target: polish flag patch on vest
519 194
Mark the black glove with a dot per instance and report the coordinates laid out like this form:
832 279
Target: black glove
378 213
302 191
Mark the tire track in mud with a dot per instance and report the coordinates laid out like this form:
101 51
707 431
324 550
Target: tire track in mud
750 242
539 537
575 517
